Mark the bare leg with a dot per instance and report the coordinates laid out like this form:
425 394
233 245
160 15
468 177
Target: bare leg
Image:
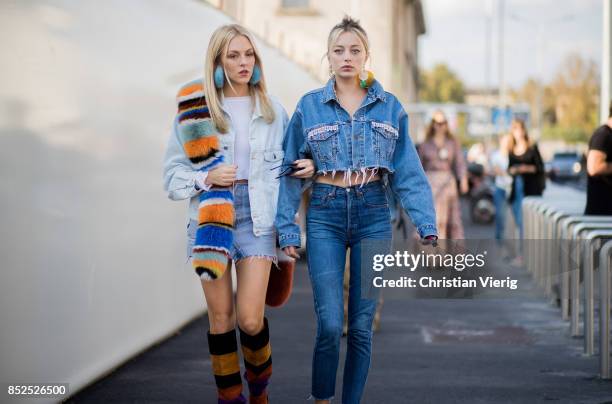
220 302
253 274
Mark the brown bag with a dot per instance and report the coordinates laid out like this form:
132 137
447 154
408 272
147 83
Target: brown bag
280 282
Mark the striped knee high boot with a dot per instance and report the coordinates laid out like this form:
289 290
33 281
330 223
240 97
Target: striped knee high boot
226 367
258 362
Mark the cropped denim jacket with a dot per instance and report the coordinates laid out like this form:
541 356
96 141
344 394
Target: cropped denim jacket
375 138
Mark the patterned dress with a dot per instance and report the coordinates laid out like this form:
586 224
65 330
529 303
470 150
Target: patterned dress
444 167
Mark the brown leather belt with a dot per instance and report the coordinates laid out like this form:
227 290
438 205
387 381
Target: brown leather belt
241 182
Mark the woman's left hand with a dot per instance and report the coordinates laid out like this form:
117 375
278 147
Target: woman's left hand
464 186
306 168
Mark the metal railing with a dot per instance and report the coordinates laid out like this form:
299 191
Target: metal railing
563 246
605 256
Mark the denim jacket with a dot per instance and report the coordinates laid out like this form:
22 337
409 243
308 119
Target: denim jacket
376 138
266 153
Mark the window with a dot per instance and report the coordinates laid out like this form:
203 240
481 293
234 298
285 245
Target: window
296 8
295 4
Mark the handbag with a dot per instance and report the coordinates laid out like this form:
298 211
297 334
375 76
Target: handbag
280 282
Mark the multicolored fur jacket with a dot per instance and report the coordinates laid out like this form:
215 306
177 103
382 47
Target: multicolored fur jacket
200 141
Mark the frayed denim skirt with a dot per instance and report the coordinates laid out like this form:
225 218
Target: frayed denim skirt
246 243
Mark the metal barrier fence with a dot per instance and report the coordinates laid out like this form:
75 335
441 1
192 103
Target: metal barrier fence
563 249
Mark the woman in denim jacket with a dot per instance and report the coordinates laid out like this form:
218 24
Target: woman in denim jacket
357 137
229 122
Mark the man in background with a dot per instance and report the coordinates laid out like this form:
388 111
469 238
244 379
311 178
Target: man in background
599 170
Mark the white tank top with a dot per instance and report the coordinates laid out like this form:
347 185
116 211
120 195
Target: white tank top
240 110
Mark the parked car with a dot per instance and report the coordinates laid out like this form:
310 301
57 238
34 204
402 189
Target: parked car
565 166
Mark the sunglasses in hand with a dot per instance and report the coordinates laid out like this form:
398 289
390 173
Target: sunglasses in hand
287 169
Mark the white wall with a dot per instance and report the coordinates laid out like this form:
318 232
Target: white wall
92 251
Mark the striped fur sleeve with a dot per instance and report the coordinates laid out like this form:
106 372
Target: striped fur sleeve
196 130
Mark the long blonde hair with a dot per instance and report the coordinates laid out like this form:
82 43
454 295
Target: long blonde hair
512 142
219 42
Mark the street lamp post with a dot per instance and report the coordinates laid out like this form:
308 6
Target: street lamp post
606 67
500 67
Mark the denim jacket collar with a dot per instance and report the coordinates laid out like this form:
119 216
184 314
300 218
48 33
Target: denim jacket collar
374 91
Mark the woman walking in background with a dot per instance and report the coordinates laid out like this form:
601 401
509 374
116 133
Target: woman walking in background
503 184
224 155
527 170
444 165
358 137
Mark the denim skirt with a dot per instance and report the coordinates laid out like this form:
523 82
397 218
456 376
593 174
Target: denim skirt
246 243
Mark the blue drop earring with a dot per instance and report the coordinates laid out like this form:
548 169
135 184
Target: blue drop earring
256 76
219 77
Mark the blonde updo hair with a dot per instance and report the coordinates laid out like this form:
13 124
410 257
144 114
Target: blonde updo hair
348 25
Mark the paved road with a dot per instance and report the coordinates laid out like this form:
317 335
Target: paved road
427 351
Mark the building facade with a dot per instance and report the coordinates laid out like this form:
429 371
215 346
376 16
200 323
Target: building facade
299 29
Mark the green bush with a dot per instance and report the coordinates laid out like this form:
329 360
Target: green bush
570 135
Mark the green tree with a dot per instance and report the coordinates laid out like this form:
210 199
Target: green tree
440 84
575 89
569 102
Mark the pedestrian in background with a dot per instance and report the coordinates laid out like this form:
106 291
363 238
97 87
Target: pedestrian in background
527 170
599 170
445 166
503 184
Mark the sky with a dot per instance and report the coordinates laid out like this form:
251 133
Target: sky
539 34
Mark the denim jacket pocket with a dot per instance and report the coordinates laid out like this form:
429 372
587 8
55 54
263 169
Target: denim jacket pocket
323 140
272 164
384 137
273 155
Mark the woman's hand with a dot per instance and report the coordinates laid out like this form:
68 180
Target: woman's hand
528 168
291 252
464 186
522 169
223 176
305 167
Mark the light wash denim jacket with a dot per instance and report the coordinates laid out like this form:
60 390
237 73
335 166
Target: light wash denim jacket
376 138
265 142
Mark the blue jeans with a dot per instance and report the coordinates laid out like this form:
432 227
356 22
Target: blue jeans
499 199
338 218
517 202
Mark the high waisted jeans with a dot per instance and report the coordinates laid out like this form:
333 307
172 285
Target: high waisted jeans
339 218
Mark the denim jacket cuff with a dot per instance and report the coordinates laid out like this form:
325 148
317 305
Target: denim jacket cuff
291 239
200 181
427 230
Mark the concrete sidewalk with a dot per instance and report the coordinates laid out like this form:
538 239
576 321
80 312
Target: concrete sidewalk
426 351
